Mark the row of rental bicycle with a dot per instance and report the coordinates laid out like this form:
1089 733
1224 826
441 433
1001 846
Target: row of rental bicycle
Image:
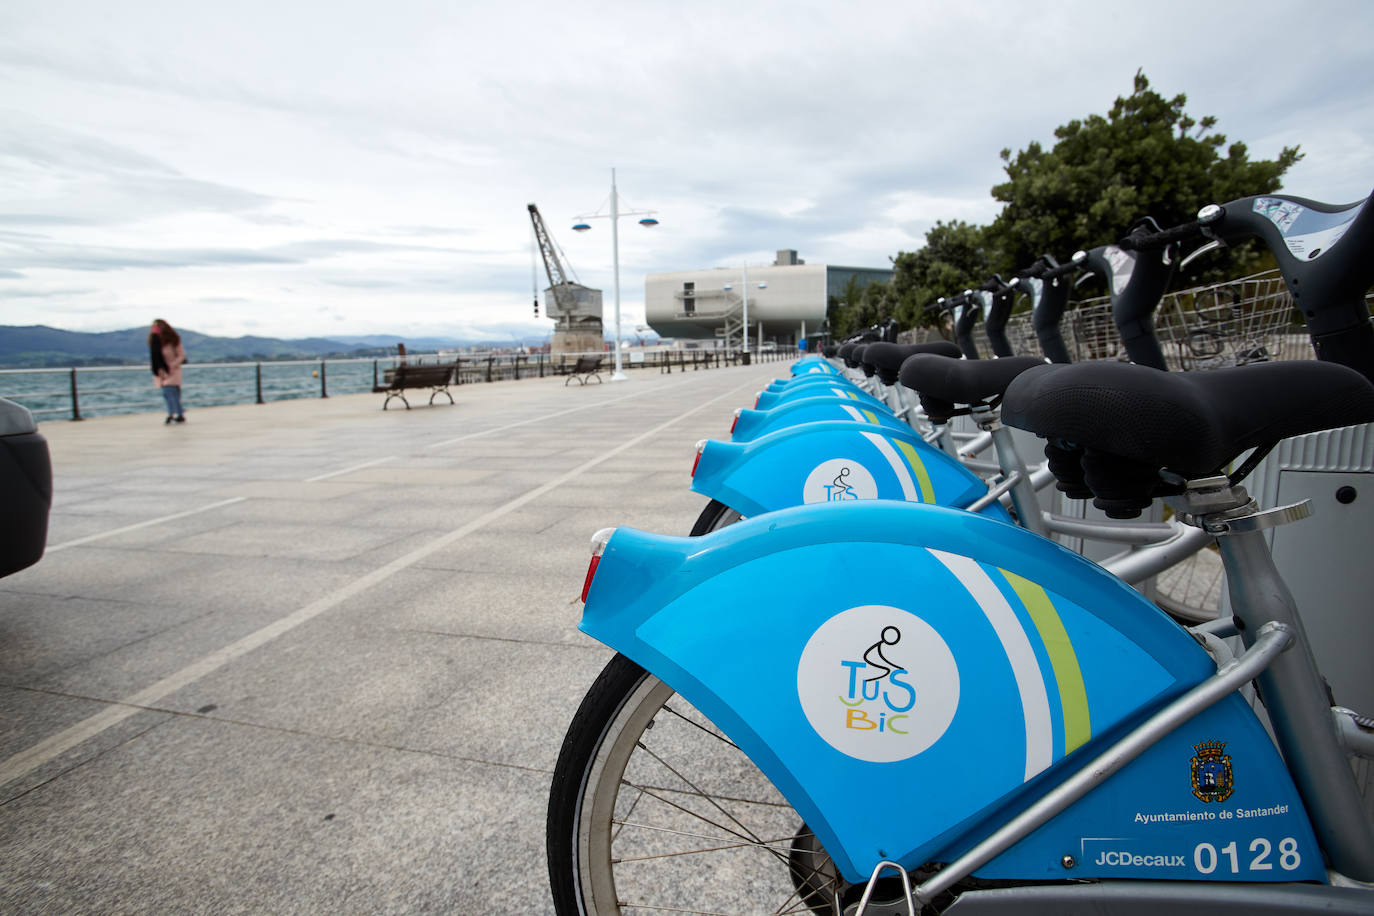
874 680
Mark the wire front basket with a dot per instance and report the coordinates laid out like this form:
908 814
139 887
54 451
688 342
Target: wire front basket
1248 320
1090 333
1226 324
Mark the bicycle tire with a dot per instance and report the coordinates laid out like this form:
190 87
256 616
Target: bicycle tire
716 515
709 832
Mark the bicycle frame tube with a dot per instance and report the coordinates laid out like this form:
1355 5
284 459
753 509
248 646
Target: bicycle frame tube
1299 710
1009 460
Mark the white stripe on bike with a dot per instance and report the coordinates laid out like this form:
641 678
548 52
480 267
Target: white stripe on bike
1035 704
853 413
898 466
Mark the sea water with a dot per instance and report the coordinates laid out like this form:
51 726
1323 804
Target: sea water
105 390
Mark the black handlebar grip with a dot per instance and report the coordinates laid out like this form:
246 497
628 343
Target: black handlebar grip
1151 241
1060 270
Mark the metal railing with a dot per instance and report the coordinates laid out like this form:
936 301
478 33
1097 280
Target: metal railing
77 392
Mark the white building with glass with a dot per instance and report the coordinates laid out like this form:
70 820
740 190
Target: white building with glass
786 300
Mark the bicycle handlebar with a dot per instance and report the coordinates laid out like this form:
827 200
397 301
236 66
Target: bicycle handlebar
1046 267
1059 270
1324 252
1140 238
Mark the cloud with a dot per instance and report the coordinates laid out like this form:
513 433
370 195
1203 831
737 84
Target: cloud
54 176
289 158
36 252
54 293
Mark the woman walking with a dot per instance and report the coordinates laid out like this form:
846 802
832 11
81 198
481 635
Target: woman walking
168 355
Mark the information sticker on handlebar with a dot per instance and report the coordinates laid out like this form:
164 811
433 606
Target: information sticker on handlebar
1282 213
1320 230
1122 264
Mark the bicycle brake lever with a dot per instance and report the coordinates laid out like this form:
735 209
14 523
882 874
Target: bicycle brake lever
1213 245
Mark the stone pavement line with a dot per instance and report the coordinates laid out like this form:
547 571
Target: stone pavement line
547 416
350 470
137 525
28 760
484 432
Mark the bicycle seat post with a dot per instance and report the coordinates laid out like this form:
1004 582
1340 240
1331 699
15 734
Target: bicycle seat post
1023 497
1295 696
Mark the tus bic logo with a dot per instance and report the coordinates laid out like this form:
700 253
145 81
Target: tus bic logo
878 683
875 678
839 480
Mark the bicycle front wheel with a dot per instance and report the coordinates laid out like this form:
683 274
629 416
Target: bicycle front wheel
653 809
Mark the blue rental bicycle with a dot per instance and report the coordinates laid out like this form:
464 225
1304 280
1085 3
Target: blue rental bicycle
891 707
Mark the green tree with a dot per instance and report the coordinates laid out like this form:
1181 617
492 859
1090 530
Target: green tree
860 306
1146 157
842 311
957 255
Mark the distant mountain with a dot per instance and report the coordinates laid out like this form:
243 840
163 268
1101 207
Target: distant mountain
38 346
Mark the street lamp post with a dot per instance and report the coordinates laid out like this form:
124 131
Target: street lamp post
744 337
614 216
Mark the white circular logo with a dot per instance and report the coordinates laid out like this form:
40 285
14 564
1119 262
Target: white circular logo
878 683
838 480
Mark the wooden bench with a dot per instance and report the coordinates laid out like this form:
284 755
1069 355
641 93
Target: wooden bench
585 368
396 381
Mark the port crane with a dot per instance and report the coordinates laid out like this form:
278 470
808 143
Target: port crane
564 299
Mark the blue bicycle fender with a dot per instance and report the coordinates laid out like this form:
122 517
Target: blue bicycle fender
750 424
812 365
833 461
770 399
902 673
806 381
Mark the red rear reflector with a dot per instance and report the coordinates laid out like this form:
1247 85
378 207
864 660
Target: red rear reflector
701 447
734 422
591 573
599 541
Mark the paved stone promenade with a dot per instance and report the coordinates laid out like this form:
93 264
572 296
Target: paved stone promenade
310 657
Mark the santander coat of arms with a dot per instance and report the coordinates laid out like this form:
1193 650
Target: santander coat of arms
1213 780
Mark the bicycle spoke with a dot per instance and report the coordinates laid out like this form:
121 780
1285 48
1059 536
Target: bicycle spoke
709 799
648 787
749 837
762 844
695 724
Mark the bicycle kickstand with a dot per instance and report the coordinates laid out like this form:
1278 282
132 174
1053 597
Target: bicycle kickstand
892 907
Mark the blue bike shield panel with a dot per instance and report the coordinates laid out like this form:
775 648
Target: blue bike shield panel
770 399
780 385
833 461
813 365
900 672
1211 801
750 424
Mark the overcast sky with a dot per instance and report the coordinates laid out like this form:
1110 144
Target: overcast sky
300 167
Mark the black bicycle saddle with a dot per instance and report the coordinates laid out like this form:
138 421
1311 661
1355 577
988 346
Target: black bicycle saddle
887 358
942 382
1127 423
